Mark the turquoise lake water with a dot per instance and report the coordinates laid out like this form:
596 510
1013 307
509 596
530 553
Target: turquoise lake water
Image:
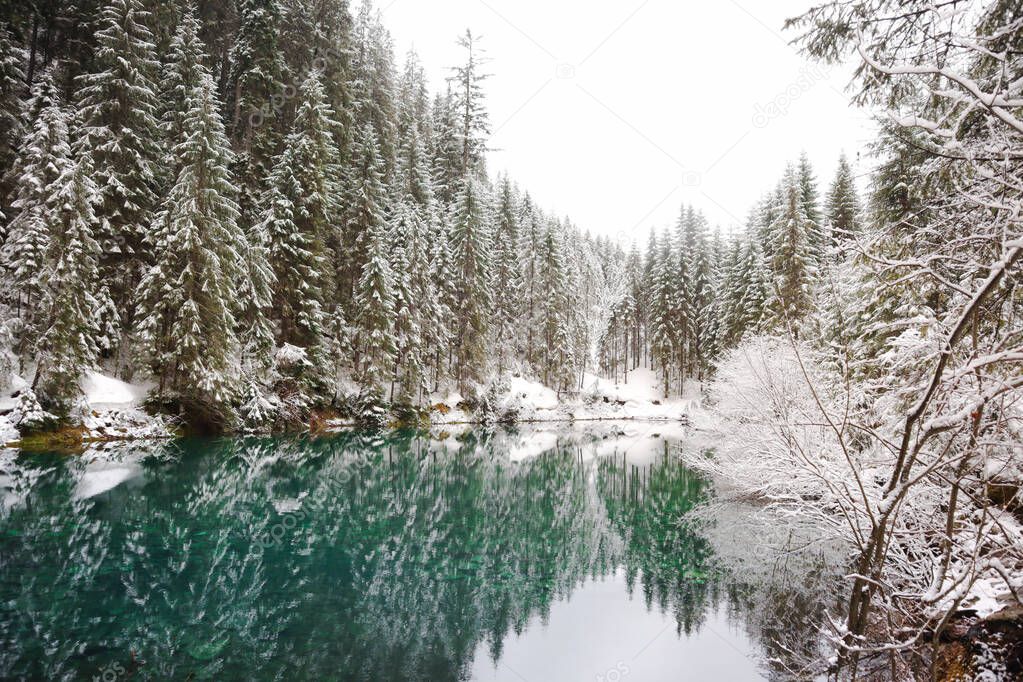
375 557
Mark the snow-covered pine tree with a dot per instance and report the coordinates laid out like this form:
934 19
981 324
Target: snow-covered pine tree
181 74
531 235
507 275
375 306
756 297
319 35
67 344
300 209
185 319
41 161
843 205
472 258
407 378
810 200
365 203
255 302
556 349
415 130
437 330
747 290
703 331
374 84
12 87
107 319
118 104
684 313
473 124
732 288
662 296
793 256
447 152
255 100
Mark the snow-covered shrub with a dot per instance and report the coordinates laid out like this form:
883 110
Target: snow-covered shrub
775 442
29 416
259 410
291 361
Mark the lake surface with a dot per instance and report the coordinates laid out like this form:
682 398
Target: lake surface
519 556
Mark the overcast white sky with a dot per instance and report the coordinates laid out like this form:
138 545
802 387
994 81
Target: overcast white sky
615 113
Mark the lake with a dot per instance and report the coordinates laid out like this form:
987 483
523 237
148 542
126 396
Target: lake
518 555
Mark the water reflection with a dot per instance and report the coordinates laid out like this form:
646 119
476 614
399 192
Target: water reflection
374 557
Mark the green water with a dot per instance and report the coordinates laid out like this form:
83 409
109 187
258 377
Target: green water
367 557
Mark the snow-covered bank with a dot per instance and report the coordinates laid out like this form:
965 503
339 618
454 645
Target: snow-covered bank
110 410
524 400
113 410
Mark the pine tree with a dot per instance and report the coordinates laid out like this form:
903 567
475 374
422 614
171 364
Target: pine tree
473 124
107 319
793 256
12 86
186 322
118 105
507 273
255 100
747 292
757 292
376 311
810 201
843 205
702 333
44 158
365 201
67 345
446 153
732 289
300 209
255 301
556 350
437 330
374 99
661 323
531 236
471 256
408 364
181 74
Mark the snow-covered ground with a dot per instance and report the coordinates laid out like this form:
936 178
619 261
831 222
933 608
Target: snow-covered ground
112 410
640 399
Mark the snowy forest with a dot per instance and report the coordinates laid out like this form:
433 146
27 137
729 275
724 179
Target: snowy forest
258 210
264 223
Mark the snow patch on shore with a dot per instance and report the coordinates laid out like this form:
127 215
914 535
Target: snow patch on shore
528 400
102 391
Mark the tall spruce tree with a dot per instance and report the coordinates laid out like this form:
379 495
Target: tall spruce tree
472 263
186 299
43 159
257 100
473 123
507 274
364 210
793 255
118 104
12 87
556 350
67 343
375 307
843 204
300 212
661 309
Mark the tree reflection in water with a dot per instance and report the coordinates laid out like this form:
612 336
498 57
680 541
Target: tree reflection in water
357 557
